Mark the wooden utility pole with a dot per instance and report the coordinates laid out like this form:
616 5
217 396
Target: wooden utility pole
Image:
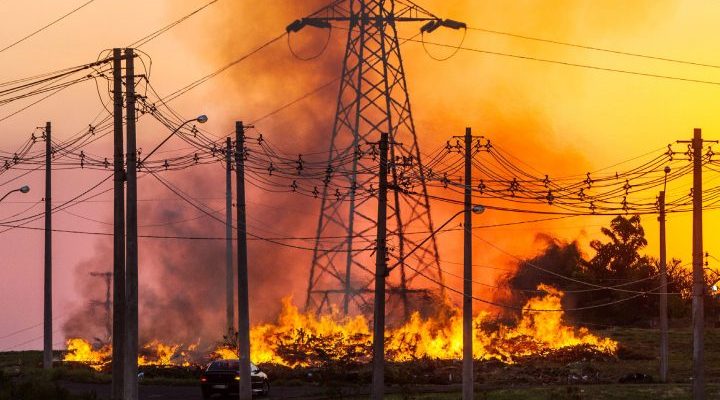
663 293
47 320
698 320
118 337
378 373
467 374
229 286
131 267
245 388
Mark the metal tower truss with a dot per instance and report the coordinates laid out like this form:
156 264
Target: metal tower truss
373 98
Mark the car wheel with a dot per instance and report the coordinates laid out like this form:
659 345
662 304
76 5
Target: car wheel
265 388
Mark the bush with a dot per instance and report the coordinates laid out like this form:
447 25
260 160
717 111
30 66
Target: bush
36 386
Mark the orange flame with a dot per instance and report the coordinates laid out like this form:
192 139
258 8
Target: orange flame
298 339
154 353
162 354
296 336
80 350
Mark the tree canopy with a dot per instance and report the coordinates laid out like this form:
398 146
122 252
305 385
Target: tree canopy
617 285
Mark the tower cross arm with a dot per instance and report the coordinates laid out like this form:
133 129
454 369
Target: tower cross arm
373 11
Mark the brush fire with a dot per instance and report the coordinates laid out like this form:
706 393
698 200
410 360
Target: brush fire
307 340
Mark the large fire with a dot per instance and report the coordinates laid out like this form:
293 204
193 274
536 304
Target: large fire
80 350
155 353
302 339
299 339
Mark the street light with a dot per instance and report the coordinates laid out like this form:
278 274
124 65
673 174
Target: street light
200 119
476 209
24 189
663 301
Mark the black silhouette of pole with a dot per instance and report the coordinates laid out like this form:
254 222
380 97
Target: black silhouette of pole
118 337
698 320
245 387
47 323
378 373
131 257
663 293
229 286
467 374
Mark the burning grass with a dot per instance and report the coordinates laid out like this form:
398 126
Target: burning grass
298 339
305 340
153 354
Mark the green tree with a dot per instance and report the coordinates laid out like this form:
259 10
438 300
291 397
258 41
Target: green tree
616 279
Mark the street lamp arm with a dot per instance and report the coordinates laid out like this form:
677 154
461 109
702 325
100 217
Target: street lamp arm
201 119
9 193
165 140
424 241
23 189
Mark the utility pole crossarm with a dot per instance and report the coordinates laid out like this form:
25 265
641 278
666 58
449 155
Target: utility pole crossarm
404 11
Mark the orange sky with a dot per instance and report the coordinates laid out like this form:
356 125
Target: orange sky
562 119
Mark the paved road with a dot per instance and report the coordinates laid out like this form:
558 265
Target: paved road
309 392
156 392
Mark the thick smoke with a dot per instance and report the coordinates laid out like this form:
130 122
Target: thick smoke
182 293
496 96
89 318
182 281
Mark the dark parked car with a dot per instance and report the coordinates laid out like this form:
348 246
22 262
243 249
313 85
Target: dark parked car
222 377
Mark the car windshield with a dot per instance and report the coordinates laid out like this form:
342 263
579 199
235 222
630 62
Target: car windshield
224 365
229 365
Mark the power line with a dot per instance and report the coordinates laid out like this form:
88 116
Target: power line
518 308
13 333
172 96
45 27
198 207
567 63
143 41
598 287
625 53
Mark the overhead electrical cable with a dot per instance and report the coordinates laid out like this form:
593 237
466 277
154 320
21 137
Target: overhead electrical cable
570 64
28 36
595 48
144 40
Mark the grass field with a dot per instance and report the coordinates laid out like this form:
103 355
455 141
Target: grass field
534 379
582 392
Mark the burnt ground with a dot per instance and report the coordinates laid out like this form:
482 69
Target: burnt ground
305 392
567 374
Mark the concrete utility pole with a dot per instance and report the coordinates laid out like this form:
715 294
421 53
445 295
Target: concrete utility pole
131 266
378 373
118 337
47 323
663 293
245 388
467 374
698 320
229 286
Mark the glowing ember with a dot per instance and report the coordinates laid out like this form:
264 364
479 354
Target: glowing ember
163 354
80 350
298 339
154 353
224 353
304 339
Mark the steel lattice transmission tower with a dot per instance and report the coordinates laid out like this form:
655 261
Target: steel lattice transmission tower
373 98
